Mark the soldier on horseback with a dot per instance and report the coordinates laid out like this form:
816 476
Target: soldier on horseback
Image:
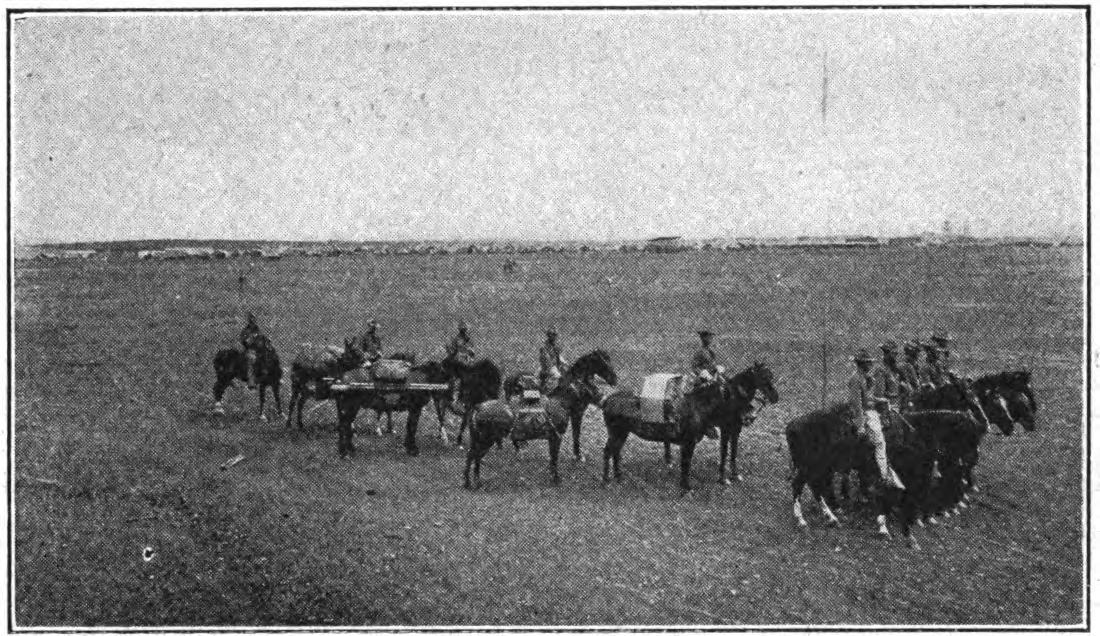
370 342
889 382
946 358
551 362
907 369
249 340
705 368
930 371
865 404
460 349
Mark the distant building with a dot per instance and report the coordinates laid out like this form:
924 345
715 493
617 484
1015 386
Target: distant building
665 244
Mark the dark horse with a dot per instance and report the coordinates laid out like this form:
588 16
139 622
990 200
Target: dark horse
348 404
828 441
478 380
311 369
494 420
232 364
594 363
725 403
1009 399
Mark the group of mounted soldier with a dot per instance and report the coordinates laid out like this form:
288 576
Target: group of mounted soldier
885 398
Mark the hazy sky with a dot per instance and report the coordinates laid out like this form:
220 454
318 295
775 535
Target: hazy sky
547 125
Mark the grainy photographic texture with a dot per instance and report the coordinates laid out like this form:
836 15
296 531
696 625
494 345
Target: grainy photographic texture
203 201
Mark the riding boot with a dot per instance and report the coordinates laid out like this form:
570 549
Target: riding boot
250 364
712 433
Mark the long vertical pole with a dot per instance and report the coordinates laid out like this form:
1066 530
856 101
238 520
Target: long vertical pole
824 361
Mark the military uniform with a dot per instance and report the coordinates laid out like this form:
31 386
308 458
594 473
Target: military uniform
704 368
945 358
908 374
460 347
550 362
865 403
930 371
371 342
248 338
888 382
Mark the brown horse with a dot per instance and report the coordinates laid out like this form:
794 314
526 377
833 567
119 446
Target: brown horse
349 403
592 364
313 367
725 403
495 420
232 364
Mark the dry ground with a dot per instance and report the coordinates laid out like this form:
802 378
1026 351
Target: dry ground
116 450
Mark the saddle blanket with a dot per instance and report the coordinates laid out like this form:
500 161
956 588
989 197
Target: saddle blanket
659 392
391 370
531 421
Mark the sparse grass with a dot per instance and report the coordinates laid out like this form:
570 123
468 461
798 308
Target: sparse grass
112 381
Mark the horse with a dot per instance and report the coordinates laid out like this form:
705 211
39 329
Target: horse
494 420
828 441
348 404
592 364
1009 398
232 364
724 403
312 366
479 380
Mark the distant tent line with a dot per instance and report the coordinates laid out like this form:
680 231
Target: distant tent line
665 244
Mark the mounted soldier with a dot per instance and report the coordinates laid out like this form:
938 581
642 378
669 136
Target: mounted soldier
460 351
551 362
705 369
371 343
249 338
907 369
865 405
930 371
943 341
888 378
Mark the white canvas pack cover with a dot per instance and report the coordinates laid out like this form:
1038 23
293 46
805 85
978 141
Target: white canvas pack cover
658 389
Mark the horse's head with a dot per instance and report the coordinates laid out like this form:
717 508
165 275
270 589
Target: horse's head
764 381
353 356
991 394
595 363
966 396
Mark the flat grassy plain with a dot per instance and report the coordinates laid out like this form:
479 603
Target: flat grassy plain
116 449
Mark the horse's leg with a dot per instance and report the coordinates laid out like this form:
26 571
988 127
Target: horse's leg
555 448
462 427
735 437
346 410
798 482
668 455
389 422
411 422
263 392
575 425
723 442
220 385
687 449
278 402
442 421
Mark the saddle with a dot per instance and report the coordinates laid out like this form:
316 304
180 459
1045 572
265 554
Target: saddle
530 418
660 394
387 370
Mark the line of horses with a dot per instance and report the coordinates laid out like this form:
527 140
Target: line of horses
933 445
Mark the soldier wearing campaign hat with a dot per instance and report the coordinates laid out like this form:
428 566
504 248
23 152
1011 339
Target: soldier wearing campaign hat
370 342
943 341
705 367
865 405
930 371
888 382
907 369
551 361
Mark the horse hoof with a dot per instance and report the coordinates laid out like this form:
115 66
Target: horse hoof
556 481
413 451
920 523
801 524
668 466
913 545
738 478
263 418
932 521
724 481
884 533
962 506
580 459
218 409
832 522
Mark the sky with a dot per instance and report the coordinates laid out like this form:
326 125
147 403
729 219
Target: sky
598 125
